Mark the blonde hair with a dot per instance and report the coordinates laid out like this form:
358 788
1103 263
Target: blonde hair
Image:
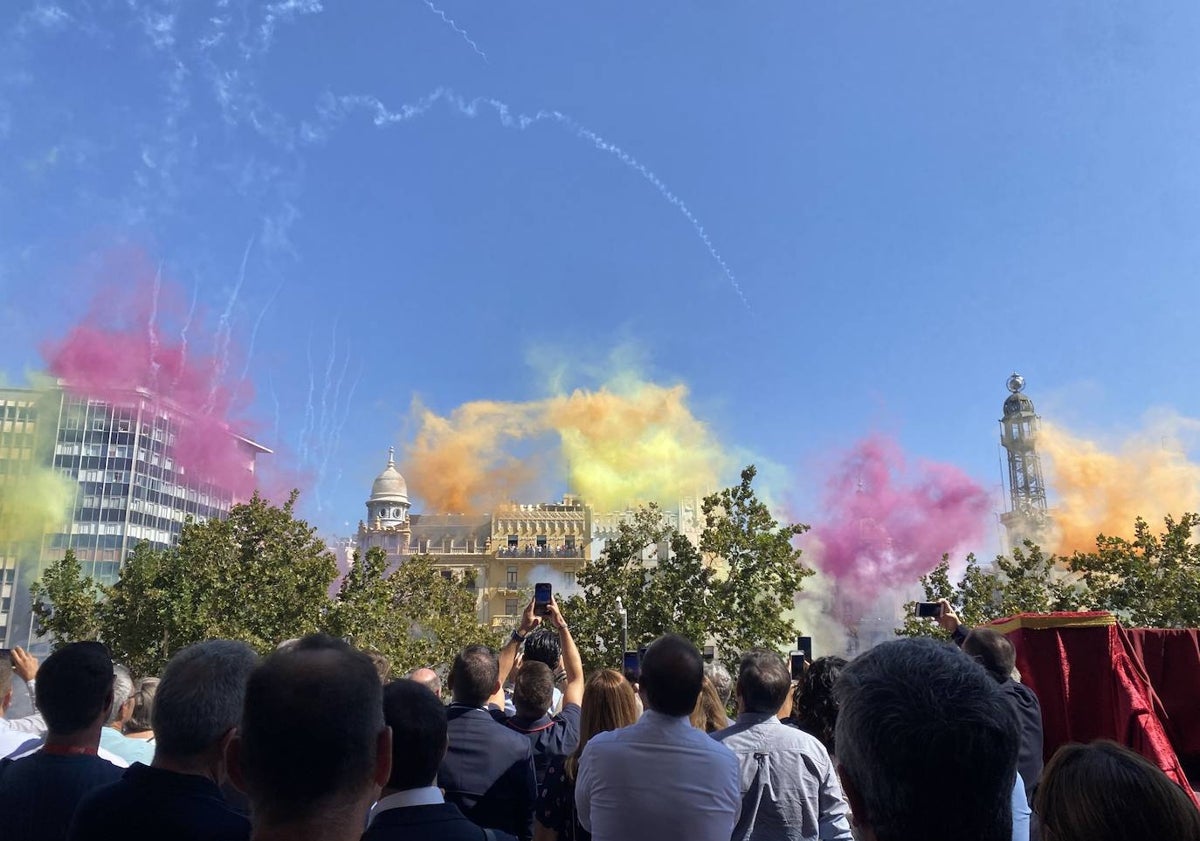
608 704
709 714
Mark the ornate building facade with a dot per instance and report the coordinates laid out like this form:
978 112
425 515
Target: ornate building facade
500 555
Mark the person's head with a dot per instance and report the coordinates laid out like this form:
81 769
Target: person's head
429 679
1105 792
383 666
312 745
74 688
927 744
543 646
992 650
475 675
140 720
533 690
716 672
418 721
815 709
672 675
122 706
763 682
709 713
608 704
198 703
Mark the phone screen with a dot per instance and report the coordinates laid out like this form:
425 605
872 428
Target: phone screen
929 610
541 598
632 665
797 665
804 646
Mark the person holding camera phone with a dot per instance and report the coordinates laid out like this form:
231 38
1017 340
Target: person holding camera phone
549 735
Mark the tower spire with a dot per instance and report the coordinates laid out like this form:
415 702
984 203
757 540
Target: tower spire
391 457
1027 514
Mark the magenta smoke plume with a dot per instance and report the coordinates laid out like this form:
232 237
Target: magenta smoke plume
122 346
884 526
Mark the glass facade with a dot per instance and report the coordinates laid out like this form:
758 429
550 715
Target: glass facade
128 486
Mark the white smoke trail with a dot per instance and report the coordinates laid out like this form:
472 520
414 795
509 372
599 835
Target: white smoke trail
471 107
254 332
309 409
462 32
224 332
183 334
152 329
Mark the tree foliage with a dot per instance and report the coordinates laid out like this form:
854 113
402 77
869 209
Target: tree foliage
65 601
1152 581
736 589
414 616
260 576
1028 582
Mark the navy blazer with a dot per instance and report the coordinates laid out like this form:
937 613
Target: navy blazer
443 822
488 772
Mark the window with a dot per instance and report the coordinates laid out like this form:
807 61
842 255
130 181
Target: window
513 541
510 607
511 579
448 575
123 426
97 424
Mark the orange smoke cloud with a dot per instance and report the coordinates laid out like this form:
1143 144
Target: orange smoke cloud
1102 490
630 441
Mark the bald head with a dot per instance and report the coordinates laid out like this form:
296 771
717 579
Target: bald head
672 675
427 678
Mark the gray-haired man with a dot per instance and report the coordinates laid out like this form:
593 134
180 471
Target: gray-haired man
196 711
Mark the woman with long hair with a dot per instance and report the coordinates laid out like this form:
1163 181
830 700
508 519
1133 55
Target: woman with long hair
709 714
814 710
608 704
1106 792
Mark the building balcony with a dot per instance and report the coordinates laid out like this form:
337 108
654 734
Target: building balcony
504 621
539 552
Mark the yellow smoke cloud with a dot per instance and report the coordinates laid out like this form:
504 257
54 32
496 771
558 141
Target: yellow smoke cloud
1103 490
627 441
33 503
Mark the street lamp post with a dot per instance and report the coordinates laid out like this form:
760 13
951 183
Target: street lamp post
624 629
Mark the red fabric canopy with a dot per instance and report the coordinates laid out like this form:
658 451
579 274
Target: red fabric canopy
1096 680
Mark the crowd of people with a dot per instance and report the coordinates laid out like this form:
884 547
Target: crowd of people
914 739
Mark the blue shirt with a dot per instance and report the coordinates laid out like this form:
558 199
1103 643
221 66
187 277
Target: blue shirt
658 779
790 789
131 750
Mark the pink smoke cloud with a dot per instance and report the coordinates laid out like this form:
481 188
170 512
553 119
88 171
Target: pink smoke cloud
136 338
883 526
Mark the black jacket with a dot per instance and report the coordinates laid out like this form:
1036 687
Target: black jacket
443 822
488 772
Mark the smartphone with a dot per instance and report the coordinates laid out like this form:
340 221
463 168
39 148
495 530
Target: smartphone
929 610
541 598
797 665
804 646
5 654
631 665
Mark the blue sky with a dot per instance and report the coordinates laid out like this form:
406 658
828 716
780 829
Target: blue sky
915 199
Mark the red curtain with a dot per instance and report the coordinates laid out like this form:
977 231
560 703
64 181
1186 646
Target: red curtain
1095 680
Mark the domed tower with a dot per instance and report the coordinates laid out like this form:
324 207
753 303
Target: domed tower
1027 516
388 506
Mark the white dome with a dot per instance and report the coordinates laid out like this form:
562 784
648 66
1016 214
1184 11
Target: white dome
389 486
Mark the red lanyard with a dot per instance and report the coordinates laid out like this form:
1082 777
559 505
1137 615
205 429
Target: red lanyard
69 750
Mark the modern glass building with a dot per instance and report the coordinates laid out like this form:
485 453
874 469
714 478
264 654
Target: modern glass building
119 458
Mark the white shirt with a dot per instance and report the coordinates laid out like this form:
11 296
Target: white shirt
659 778
427 796
30 725
100 752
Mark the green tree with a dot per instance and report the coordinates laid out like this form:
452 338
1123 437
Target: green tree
755 597
414 616
1152 581
260 576
736 588
65 602
1028 582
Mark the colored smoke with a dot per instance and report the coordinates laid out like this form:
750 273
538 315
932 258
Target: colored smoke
1103 490
629 441
884 525
33 503
125 345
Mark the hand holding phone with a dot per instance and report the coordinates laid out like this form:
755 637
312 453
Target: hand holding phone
928 610
542 593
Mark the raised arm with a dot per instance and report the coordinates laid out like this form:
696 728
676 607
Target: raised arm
508 654
572 663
